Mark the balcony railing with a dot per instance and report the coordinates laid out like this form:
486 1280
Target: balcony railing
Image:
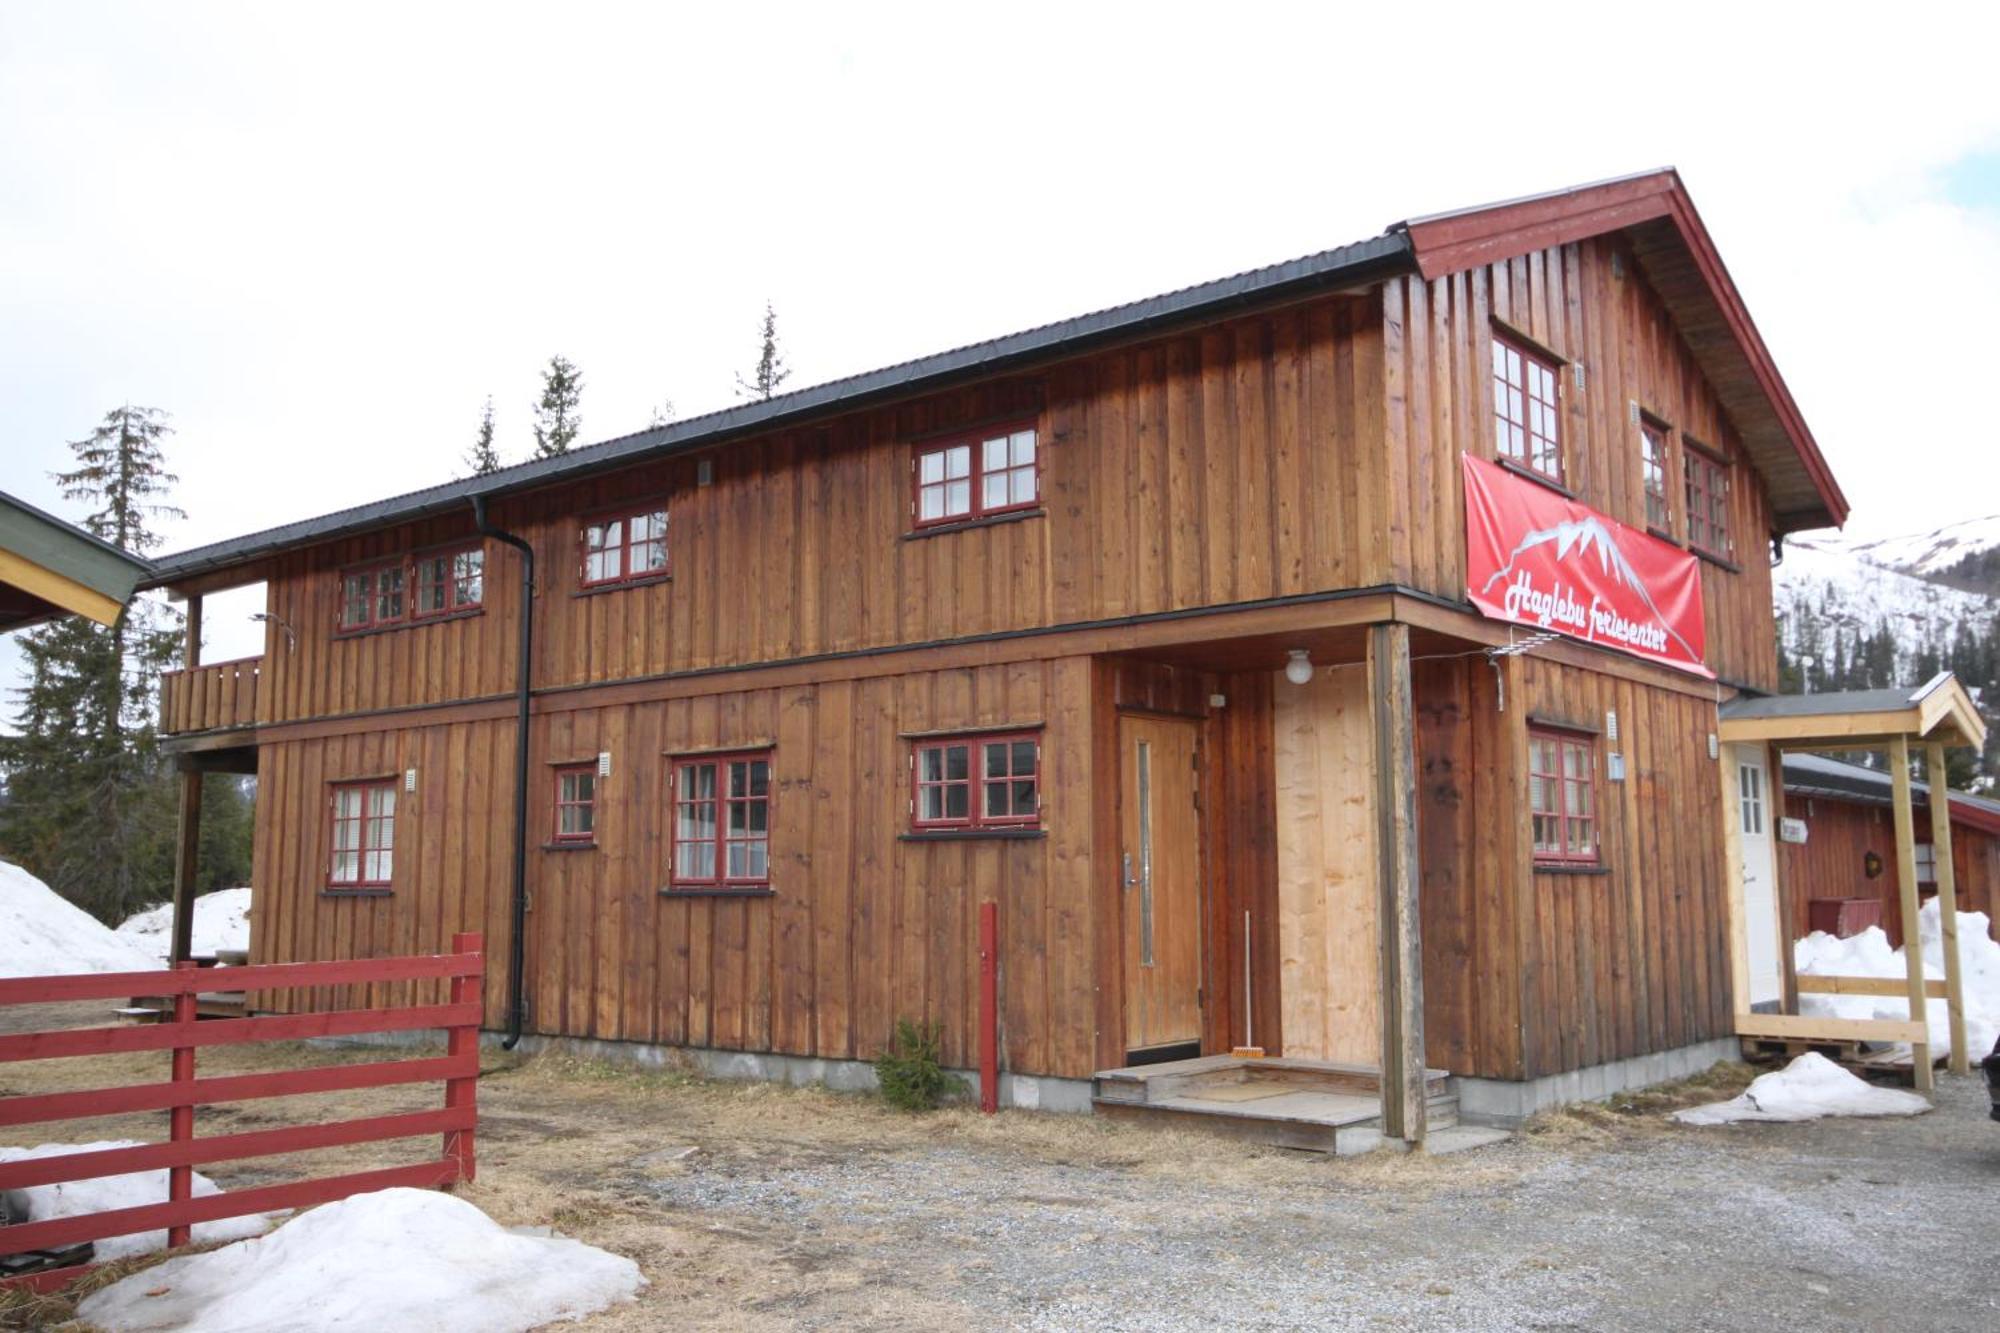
219 696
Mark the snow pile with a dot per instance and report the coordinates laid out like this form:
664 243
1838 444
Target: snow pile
404 1259
1869 955
1806 1089
44 934
221 923
76 1197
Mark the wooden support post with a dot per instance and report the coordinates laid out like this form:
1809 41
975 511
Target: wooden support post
463 1093
1906 869
191 648
1789 927
989 1008
1403 1086
1947 887
180 1119
186 864
1735 910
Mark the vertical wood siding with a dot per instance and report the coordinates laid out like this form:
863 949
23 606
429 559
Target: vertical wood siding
1839 836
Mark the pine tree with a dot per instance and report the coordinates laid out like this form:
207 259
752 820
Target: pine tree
771 372
89 802
483 457
556 417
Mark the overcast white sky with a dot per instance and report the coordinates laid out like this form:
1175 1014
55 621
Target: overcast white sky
321 238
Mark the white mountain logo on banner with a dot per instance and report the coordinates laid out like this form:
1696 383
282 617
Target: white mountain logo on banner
1579 536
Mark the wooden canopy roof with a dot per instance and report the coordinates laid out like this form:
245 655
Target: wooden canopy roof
50 568
1939 710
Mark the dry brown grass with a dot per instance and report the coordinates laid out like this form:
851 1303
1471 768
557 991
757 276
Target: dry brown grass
1629 1115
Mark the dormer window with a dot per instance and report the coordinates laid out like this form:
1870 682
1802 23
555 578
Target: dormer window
1526 429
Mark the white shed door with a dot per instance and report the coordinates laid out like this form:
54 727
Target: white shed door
1760 898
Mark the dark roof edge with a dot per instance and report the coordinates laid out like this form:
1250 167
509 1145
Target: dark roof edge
1379 256
138 562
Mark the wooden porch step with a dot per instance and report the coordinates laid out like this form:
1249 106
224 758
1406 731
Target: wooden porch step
1303 1121
1178 1078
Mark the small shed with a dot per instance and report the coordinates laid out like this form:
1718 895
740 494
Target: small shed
1897 723
50 568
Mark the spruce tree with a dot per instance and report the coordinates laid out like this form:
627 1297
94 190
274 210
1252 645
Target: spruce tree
771 372
483 457
556 417
89 802
662 415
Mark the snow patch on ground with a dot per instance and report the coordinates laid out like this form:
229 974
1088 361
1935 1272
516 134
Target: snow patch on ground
44 934
1869 955
1808 1088
404 1259
221 922
76 1197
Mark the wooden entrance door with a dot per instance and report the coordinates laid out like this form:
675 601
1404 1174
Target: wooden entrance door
1160 867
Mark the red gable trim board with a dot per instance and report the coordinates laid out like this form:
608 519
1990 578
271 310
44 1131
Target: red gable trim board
1535 558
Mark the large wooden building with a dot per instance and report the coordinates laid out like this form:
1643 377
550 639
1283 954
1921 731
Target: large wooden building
1153 628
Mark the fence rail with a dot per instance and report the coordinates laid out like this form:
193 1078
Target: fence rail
182 1036
218 696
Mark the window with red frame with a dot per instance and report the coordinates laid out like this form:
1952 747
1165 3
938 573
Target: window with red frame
1653 469
444 582
576 803
974 782
722 822
1562 796
363 818
993 472
372 596
628 547
1707 501
1526 419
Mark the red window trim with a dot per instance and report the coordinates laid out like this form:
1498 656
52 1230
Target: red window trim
1648 423
623 515
974 439
721 879
364 786
557 804
1587 742
1712 464
374 621
453 607
975 781
1531 352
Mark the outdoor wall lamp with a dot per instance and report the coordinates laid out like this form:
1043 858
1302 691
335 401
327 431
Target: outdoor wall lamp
1298 667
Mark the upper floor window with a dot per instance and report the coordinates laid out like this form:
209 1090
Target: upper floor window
993 472
419 587
722 822
1526 425
446 581
972 782
1653 470
625 547
1707 501
576 803
1562 796
363 816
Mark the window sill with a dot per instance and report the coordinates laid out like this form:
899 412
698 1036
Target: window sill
704 891
973 835
412 622
1720 562
594 589
579 846
1561 868
1662 534
966 525
1527 473
378 892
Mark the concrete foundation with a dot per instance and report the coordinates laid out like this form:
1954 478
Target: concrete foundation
1028 1092
1505 1103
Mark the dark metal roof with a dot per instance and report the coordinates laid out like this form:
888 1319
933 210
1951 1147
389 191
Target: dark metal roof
1816 775
1822 705
1349 264
67 551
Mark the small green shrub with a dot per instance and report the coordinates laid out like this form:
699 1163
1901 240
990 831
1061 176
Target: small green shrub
909 1072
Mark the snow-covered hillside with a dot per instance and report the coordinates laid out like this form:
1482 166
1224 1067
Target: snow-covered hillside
1935 551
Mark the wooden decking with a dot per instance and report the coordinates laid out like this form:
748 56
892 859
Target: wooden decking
1311 1105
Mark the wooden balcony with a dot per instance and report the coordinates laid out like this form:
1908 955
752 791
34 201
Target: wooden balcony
221 696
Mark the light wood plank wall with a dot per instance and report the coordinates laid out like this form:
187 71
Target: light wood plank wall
1589 303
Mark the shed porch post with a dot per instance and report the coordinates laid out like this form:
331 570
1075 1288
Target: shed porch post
1906 869
1947 886
1403 1082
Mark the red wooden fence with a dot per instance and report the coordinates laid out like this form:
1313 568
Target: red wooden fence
183 1092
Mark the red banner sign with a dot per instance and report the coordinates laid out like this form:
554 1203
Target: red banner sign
1534 558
